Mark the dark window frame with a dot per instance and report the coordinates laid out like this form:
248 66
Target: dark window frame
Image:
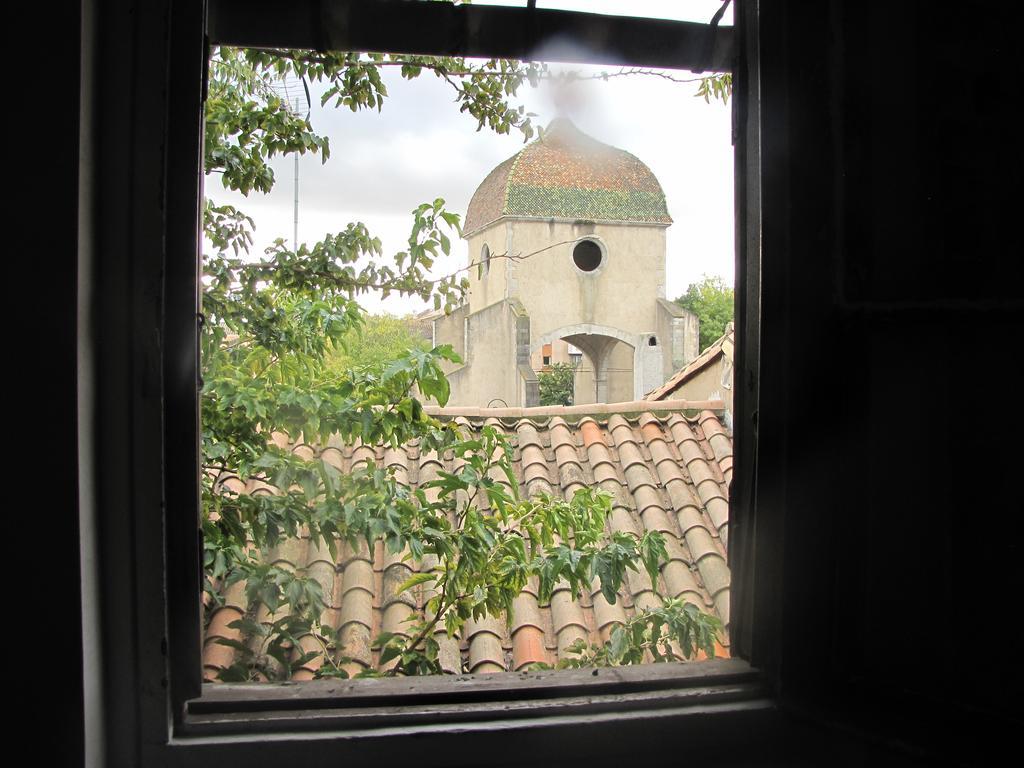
727 692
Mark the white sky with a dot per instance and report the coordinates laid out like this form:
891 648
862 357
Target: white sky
420 147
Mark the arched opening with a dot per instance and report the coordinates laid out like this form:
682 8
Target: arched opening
584 368
485 259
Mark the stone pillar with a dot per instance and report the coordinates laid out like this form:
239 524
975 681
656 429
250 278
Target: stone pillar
648 365
529 386
600 346
601 380
678 332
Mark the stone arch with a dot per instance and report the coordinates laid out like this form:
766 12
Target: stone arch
592 329
601 345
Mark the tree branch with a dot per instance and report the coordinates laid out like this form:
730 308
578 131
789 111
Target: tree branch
397 286
441 70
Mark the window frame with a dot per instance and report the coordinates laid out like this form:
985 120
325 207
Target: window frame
161 416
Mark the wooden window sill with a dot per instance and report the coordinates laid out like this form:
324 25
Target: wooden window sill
471 701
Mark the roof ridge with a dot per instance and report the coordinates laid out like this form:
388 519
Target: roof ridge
590 409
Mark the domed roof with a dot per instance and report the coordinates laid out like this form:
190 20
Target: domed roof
569 175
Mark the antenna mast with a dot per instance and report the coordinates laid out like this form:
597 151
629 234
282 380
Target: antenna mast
294 91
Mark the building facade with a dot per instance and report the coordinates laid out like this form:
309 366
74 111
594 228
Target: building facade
567 241
709 376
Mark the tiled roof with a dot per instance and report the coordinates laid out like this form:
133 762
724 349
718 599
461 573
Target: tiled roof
667 469
569 175
723 345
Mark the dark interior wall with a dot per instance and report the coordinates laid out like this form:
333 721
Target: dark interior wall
892 282
41 531
41 387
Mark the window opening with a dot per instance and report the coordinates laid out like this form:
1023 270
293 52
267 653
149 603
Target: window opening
587 255
300 646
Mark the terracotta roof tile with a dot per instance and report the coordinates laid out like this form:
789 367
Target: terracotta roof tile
217 656
719 441
709 489
666 472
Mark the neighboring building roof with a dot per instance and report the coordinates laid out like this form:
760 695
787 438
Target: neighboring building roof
569 175
668 468
723 346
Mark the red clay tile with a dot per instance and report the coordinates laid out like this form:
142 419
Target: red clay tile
665 472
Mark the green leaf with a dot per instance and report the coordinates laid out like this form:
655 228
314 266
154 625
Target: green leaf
237 645
414 580
389 652
619 642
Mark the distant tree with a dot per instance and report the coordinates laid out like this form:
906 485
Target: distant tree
379 340
556 384
712 300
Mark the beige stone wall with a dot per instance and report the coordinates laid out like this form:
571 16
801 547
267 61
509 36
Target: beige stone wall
678 335
488 286
612 312
619 298
621 293
490 370
451 329
713 382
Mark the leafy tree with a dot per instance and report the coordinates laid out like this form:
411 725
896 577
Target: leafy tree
275 333
378 340
557 384
651 632
712 300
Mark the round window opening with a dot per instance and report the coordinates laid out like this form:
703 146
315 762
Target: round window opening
587 255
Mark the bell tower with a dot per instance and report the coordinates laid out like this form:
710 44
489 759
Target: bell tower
568 236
